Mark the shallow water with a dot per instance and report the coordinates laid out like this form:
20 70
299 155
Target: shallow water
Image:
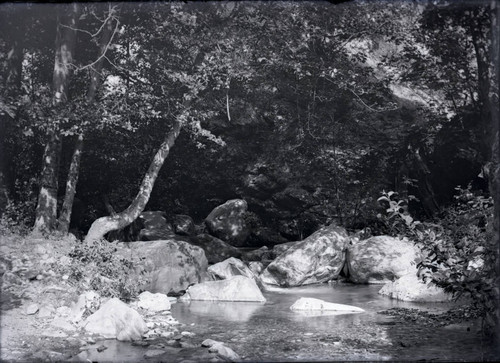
272 332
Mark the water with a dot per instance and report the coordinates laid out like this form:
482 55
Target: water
272 332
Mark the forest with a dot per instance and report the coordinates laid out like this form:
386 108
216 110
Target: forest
378 117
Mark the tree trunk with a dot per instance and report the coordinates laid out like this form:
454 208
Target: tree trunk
74 168
105 225
46 210
69 196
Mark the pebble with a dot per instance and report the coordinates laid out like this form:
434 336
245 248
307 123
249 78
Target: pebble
153 353
31 309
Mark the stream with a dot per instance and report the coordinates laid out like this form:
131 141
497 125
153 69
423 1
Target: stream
273 332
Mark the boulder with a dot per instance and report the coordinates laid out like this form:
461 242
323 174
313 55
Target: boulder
156 226
153 302
183 225
171 265
236 288
229 268
227 222
115 319
222 350
381 259
215 249
308 303
410 288
256 267
294 198
318 258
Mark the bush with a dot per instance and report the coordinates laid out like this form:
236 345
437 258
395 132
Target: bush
97 267
459 249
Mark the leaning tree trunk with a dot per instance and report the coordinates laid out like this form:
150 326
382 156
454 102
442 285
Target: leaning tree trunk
46 210
74 168
105 225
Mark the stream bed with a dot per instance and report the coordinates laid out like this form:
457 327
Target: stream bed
272 332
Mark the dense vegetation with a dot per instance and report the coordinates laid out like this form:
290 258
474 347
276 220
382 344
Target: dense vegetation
309 111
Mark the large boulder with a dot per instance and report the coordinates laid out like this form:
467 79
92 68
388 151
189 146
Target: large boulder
410 288
229 268
116 320
318 258
156 226
171 265
236 288
215 249
227 222
381 259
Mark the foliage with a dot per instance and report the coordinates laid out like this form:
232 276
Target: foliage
460 254
97 267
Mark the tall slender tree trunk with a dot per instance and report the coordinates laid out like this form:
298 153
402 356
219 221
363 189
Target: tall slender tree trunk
74 168
107 224
46 210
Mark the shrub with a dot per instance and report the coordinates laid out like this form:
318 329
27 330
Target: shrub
460 253
96 266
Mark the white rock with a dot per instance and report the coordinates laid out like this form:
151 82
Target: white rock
237 288
410 288
308 303
116 320
31 309
153 302
221 349
229 268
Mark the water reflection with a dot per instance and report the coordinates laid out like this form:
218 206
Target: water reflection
226 310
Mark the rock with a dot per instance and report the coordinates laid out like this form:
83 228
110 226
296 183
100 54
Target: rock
318 258
46 311
116 320
89 300
183 225
237 288
410 288
215 249
381 259
260 254
155 226
293 198
229 268
308 303
31 309
227 222
172 265
153 302
282 248
221 349
256 267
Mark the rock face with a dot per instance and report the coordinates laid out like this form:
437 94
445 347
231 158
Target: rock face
381 259
229 268
172 265
318 258
237 288
227 223
410 288
155 226
215 249
183 225
308 303
116 320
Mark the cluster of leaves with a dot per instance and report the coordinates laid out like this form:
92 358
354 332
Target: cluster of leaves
459 252
97 266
